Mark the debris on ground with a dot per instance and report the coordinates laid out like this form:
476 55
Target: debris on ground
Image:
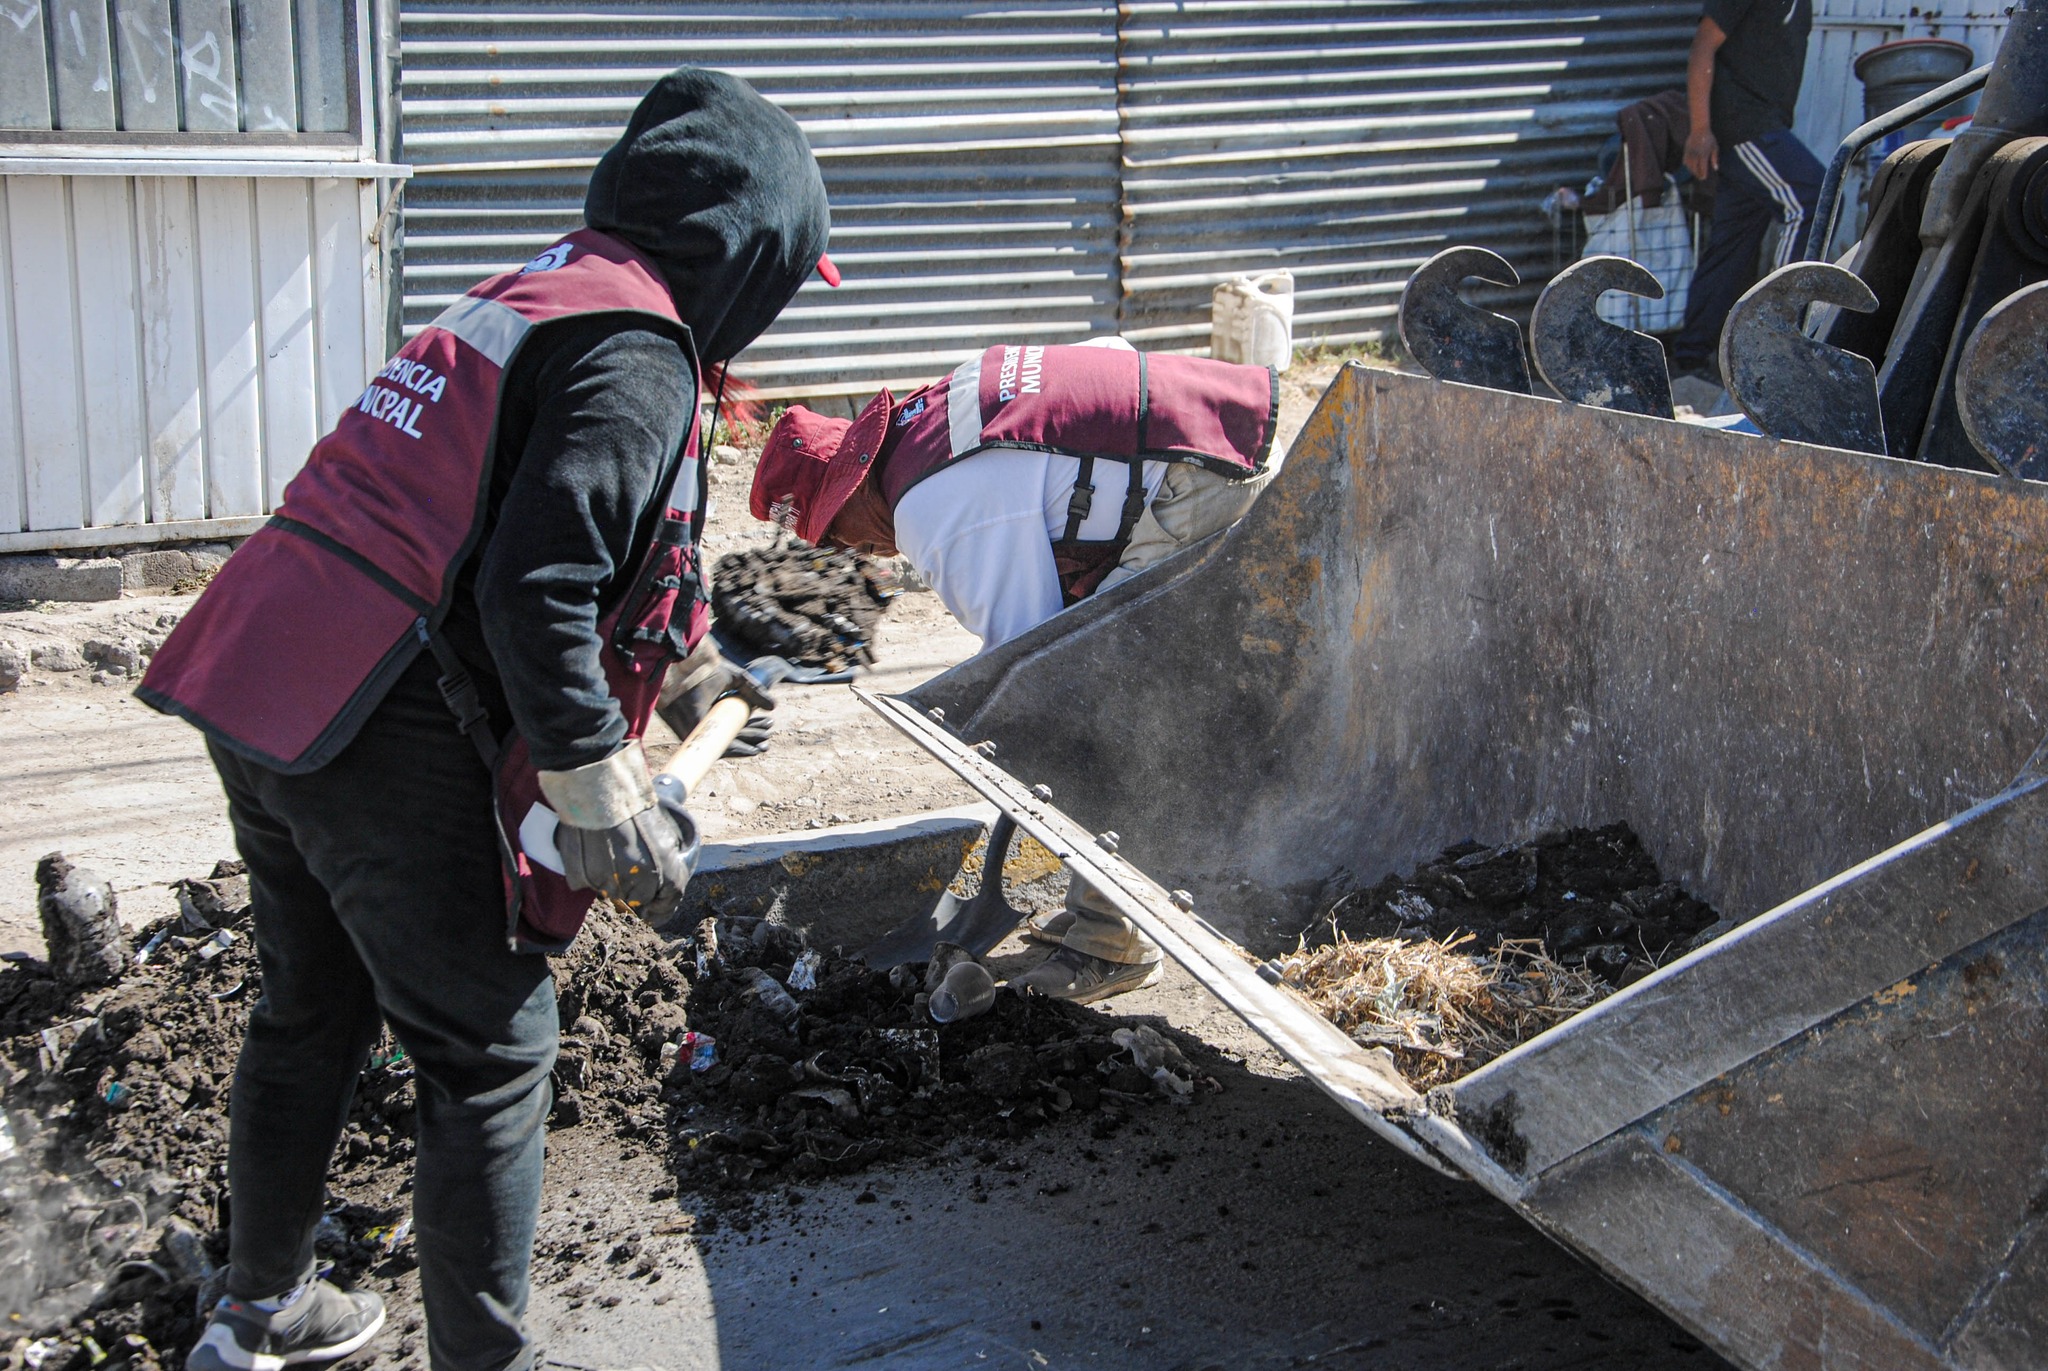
80 925
775 1064
1486 947
814 606
864 1070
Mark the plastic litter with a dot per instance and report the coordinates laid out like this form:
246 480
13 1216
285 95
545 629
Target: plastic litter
772 997
389 1236
804 975
217 944
156 940
703 1050
381 1060
118 1096
966 991
1157 1058
8 1146
707 947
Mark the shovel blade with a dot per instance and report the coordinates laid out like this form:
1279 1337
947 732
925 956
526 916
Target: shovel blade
977 922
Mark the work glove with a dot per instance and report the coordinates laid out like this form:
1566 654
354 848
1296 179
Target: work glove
700 681
620 837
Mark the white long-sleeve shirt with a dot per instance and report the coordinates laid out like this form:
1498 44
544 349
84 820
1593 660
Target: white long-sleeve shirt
981 531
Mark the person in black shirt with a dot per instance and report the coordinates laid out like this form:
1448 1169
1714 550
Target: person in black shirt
1742 81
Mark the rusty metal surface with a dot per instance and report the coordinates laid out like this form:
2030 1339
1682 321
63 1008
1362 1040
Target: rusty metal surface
1588 360
1459 613
1790 385
2002 384
1819 1143
1456 341
1653 1222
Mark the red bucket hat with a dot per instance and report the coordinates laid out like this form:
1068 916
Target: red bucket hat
811 466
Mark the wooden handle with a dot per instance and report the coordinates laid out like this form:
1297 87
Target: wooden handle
708 741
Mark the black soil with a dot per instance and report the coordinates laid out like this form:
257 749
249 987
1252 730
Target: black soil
814 606
115 1101
1591 896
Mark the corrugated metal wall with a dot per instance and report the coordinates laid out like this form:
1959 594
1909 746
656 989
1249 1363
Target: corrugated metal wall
1349 140
1049 170
970 153
200 66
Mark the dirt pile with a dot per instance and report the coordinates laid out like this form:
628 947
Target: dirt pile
825 1066
113 1163
814 606
113 1125
1486 947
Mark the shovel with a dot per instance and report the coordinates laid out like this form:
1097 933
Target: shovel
977 922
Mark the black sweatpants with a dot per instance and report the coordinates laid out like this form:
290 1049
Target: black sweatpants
1773 178
378 900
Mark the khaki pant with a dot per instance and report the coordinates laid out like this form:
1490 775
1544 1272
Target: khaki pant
1192 503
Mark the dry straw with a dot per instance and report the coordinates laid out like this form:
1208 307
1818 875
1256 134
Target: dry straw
1440 1008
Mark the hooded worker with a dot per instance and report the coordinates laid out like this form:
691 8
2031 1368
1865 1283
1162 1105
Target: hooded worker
987 480
504 526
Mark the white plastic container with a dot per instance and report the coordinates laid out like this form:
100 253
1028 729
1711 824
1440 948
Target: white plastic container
1251 320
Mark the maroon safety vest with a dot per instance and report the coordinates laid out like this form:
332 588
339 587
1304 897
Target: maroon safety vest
303 631
1097 404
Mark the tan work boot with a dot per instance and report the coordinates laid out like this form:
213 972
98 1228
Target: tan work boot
1081 979
1051 930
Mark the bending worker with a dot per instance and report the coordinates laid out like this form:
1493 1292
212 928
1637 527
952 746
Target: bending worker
505 525
1025 481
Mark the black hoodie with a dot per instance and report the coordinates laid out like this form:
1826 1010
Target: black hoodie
719 187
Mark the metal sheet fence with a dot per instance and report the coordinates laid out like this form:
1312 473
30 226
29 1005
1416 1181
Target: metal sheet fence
970 154
196 66
1349 140
1056 168
171 347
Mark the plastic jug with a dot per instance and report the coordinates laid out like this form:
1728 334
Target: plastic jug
1251 320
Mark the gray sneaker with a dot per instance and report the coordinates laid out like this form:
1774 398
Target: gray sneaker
324 1324
1081 979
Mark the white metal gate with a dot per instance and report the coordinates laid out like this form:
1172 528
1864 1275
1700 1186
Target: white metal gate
190 287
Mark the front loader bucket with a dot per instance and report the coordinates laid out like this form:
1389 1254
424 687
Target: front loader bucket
1805 677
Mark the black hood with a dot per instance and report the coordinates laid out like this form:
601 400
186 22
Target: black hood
719 187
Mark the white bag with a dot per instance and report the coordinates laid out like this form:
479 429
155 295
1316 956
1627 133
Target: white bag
1661 239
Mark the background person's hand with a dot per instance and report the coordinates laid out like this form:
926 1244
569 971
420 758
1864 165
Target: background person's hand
1702 154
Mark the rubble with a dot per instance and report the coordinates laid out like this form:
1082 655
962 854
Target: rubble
113 1135
814 606
80 924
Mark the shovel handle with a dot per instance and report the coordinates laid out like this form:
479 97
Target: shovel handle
708 741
